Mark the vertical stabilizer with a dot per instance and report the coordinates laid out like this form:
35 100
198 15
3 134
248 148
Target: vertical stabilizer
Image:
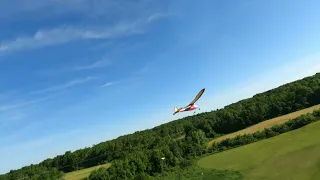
175 110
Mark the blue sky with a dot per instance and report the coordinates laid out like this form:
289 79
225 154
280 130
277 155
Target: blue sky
75 73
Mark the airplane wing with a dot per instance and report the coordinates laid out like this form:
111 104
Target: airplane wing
197 97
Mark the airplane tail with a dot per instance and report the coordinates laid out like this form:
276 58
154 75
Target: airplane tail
175 110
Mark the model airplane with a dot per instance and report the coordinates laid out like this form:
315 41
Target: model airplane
191 105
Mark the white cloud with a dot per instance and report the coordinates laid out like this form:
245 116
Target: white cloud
66 34
97 64
157 16
86 8
5 107
66 85
47 8
132 17
108 84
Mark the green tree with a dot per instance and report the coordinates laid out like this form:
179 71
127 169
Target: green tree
196 143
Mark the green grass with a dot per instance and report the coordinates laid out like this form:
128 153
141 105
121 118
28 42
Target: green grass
266 124
197 173
83 173
294 155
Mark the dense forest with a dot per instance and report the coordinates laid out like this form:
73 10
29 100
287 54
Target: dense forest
138 155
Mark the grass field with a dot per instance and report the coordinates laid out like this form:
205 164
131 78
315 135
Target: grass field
197 173
83 173
266 124
294 155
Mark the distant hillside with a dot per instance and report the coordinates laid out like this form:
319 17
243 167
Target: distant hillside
144 149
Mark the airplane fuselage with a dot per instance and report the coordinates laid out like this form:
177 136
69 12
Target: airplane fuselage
189 108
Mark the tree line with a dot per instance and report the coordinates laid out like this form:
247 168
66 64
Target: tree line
142 151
